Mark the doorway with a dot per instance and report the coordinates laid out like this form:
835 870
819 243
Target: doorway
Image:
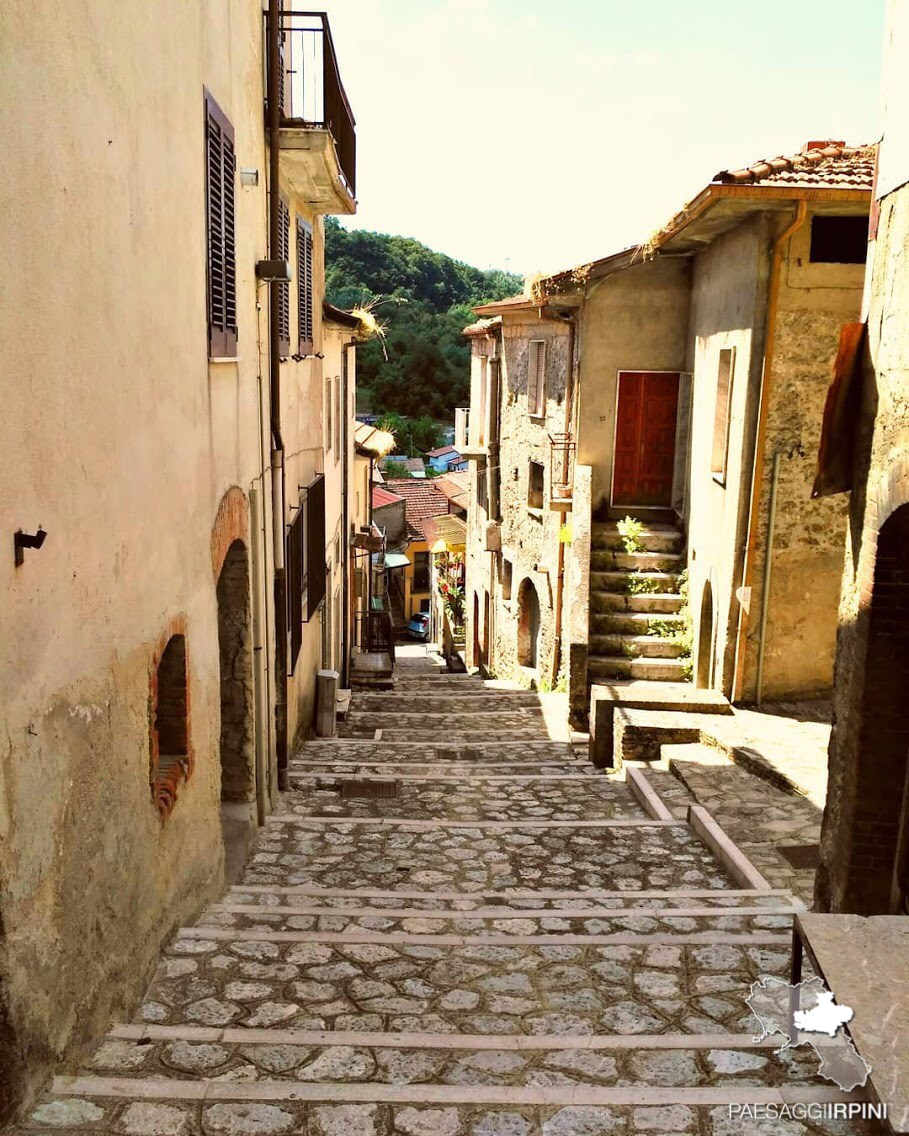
704 675
528 625
644 451
238 779
879 882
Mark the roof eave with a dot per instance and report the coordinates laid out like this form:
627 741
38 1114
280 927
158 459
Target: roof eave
747 194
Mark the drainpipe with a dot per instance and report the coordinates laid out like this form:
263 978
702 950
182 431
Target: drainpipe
560 579
274 391
765 593
776 265
345 522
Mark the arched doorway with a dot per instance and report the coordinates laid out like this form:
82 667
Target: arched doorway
238 780
528 625
704 674
880 837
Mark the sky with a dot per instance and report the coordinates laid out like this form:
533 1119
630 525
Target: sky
533 136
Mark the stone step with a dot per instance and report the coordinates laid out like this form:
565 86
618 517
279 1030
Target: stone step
475 770
636 646
445 701
417 1062
635 583
601 667
647 603
679 920
476 1096
622 622
576 797
652 538
486 749
606 560
519 899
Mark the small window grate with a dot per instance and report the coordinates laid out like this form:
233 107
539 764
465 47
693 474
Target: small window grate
371 790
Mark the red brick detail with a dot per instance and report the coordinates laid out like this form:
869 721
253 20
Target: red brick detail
164 779
231 523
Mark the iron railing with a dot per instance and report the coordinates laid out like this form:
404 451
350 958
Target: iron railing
312 94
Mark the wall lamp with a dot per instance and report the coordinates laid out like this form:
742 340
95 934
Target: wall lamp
23 540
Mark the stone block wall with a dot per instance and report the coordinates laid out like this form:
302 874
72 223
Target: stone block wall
869 746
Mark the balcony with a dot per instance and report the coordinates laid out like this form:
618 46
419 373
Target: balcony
317 136
561 471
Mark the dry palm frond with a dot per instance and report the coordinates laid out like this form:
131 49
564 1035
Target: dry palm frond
370 325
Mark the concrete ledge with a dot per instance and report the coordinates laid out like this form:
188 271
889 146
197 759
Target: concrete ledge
640 694
730 855
646 795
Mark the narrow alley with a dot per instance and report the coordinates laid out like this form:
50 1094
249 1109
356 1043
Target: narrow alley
456 926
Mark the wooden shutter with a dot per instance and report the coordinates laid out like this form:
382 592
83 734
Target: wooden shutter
315 545
721 413
293 568
284 287
536 377
304 286
220 168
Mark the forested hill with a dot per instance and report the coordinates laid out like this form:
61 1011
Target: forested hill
430 299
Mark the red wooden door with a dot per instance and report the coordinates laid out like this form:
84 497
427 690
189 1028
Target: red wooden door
645 438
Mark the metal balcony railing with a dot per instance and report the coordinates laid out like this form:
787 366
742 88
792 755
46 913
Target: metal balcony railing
561 466
312 94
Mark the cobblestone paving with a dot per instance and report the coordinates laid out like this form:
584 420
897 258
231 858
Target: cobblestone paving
759 817
472 957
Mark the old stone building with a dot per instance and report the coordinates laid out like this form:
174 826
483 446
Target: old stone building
164 430
865 838
699 365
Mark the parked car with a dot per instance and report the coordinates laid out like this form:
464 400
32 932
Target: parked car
418 628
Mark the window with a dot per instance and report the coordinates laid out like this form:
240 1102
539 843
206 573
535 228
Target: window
507 573
329 428
284 287
337 382
839 240
304 287
535 486
304 564
536 378
220 166
425 606
421 571
721 414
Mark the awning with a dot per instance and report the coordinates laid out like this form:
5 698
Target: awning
396 560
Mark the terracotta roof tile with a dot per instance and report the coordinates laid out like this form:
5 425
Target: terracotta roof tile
382 497
441 451
829 164
423 500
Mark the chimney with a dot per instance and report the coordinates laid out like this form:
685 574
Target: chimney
822 144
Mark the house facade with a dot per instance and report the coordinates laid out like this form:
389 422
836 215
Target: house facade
864 865
699 366
160 446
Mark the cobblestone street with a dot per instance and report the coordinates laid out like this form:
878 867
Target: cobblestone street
502 942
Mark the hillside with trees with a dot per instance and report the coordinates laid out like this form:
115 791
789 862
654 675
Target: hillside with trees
424 299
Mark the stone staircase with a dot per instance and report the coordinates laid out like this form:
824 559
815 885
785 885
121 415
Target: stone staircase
464 931
636 606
